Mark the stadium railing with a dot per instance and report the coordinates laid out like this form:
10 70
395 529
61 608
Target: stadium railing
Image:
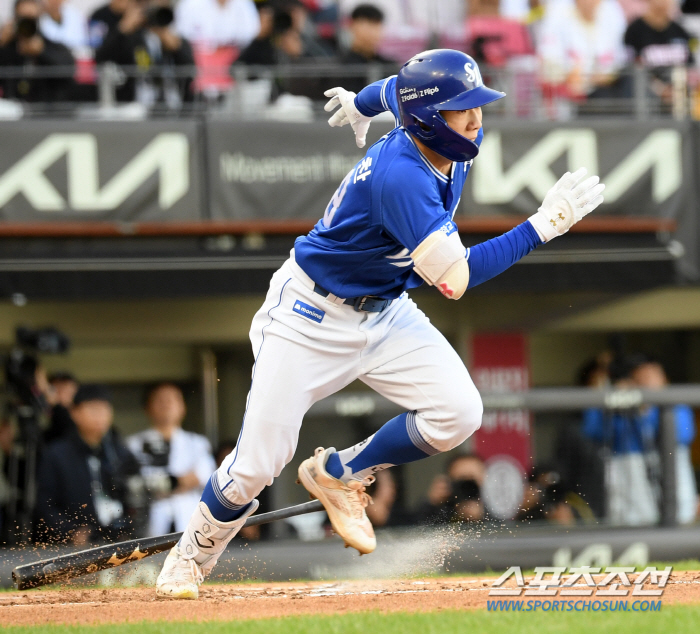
562 400
248 90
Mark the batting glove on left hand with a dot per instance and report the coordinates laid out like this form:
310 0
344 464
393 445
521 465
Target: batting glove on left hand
567 203
348 113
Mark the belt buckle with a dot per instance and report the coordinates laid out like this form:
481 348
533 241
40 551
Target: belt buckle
360 302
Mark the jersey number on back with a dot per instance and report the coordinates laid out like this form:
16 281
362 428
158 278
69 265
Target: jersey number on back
361 172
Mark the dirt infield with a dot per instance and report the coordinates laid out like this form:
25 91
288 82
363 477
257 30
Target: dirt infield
245 601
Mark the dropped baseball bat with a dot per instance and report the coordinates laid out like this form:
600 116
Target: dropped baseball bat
65 567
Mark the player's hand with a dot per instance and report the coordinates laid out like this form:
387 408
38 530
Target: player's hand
566 203
348 113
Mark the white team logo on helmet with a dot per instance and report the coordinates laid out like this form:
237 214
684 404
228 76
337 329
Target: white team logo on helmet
472 73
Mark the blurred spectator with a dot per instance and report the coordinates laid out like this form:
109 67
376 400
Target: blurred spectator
415 18
581 47
634 9
516 9
105 20
581 460
690 19
633 473
62 389
366 32
215 23
64 23
366 28
145 38
659 43
467 466
492 38
439 504
262 49
630 442
469 506
649 374
284 46
532 506
457 494
88 482
595 373
277 42
557 509
22 44
547 497
175 464
311 44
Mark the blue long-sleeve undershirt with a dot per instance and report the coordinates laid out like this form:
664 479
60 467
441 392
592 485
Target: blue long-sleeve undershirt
491 258
368 101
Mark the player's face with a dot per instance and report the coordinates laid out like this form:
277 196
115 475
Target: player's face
464 122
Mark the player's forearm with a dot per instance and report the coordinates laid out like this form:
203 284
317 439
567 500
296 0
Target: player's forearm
491 258
371 101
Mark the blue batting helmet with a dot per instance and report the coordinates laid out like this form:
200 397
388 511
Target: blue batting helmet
441 79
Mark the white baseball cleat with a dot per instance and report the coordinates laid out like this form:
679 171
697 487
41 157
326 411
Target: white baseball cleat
344 503
196 554
180 577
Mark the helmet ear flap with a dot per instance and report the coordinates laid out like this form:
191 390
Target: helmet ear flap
423 126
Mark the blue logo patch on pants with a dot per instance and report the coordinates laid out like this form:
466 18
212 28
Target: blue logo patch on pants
314 314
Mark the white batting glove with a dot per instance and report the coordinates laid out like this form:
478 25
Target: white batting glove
348 113
566 203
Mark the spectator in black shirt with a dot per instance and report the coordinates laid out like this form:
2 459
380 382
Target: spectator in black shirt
62 390
659 43
104 20
283 47
22 45
366 31
144 38
87 482
262 51
311 44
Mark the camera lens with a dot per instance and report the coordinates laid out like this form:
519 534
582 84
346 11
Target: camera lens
26 27
160 16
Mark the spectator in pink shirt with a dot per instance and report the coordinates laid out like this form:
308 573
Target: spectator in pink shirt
492 38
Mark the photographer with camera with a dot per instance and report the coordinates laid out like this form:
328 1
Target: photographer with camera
175 463
60 390
89 485
456 494
145 38
22 45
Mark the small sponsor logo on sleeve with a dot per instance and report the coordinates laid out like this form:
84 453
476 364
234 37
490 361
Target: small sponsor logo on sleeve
448 228
310 312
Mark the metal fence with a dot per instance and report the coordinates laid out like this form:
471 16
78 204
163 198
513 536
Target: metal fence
251 91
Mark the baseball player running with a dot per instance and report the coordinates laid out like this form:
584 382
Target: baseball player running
338 309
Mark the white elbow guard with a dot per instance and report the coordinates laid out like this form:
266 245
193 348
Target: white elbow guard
441 261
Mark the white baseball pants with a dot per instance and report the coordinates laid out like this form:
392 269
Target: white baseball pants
308 347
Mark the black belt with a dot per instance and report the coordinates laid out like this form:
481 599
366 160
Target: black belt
366 303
